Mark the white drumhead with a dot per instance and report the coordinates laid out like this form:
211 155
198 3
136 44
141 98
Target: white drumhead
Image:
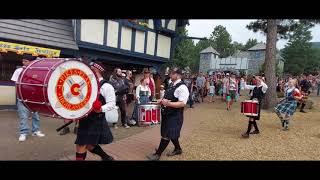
72 89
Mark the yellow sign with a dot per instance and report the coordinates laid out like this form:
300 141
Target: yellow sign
35 51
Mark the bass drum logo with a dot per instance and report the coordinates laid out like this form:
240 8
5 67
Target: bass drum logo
73 89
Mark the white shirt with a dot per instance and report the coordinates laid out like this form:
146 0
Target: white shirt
162 93
107 91
212 88
232 84
142 88
251 87
200 81
182 92
16 74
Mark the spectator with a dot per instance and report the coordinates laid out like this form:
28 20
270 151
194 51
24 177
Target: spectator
318 84
150 83
211 90
231 89
189 83
121 89
24 113
305 85
225 83
130 96
143 93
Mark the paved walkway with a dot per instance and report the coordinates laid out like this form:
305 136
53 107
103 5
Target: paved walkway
136 147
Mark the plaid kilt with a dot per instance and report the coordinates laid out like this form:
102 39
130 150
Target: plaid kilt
288 107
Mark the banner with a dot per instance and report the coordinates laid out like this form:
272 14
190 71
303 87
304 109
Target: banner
25 49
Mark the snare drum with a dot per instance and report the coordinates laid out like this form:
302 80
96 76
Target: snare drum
64 88
250 108
149 113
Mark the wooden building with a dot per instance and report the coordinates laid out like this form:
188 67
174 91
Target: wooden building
131 44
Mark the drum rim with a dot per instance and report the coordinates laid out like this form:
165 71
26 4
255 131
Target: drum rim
251 101
149 105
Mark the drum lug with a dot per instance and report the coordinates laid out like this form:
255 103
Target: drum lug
45 85
53 68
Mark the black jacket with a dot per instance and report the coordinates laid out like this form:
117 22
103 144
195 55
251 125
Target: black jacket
120 85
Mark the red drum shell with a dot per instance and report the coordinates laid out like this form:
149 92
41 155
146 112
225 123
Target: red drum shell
250 108
149 113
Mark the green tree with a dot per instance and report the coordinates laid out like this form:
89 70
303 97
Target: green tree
238 46
275 29
221 40
250 43
298 53
184 51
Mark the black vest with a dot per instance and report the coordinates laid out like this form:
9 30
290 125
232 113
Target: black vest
257 93
169 94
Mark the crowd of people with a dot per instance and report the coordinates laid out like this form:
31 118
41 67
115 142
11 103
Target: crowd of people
177 89
225 85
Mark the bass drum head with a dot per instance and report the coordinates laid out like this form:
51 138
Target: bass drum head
72 89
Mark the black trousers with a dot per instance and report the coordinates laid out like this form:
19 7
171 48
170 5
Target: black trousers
122 106
190 101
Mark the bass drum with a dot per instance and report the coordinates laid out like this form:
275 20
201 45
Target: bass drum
63 88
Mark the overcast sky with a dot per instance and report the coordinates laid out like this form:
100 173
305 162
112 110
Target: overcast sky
237 29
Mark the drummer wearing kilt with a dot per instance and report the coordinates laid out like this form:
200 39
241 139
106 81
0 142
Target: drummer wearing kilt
93 129
288 105
175 98
257 92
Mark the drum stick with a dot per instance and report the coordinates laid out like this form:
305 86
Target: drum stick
65 125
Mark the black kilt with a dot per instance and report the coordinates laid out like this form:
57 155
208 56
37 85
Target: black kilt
94 129
171 125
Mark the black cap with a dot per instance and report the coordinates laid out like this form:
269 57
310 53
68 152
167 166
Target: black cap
177 70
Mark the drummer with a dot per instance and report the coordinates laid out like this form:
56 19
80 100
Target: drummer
257 93
94 130
23 112
175 98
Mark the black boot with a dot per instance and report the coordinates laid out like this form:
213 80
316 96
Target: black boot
286 125
282 123
177 149
99 151
302 108
256 129
246 134
162 146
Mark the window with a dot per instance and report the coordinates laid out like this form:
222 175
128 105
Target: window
206 56
257 55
